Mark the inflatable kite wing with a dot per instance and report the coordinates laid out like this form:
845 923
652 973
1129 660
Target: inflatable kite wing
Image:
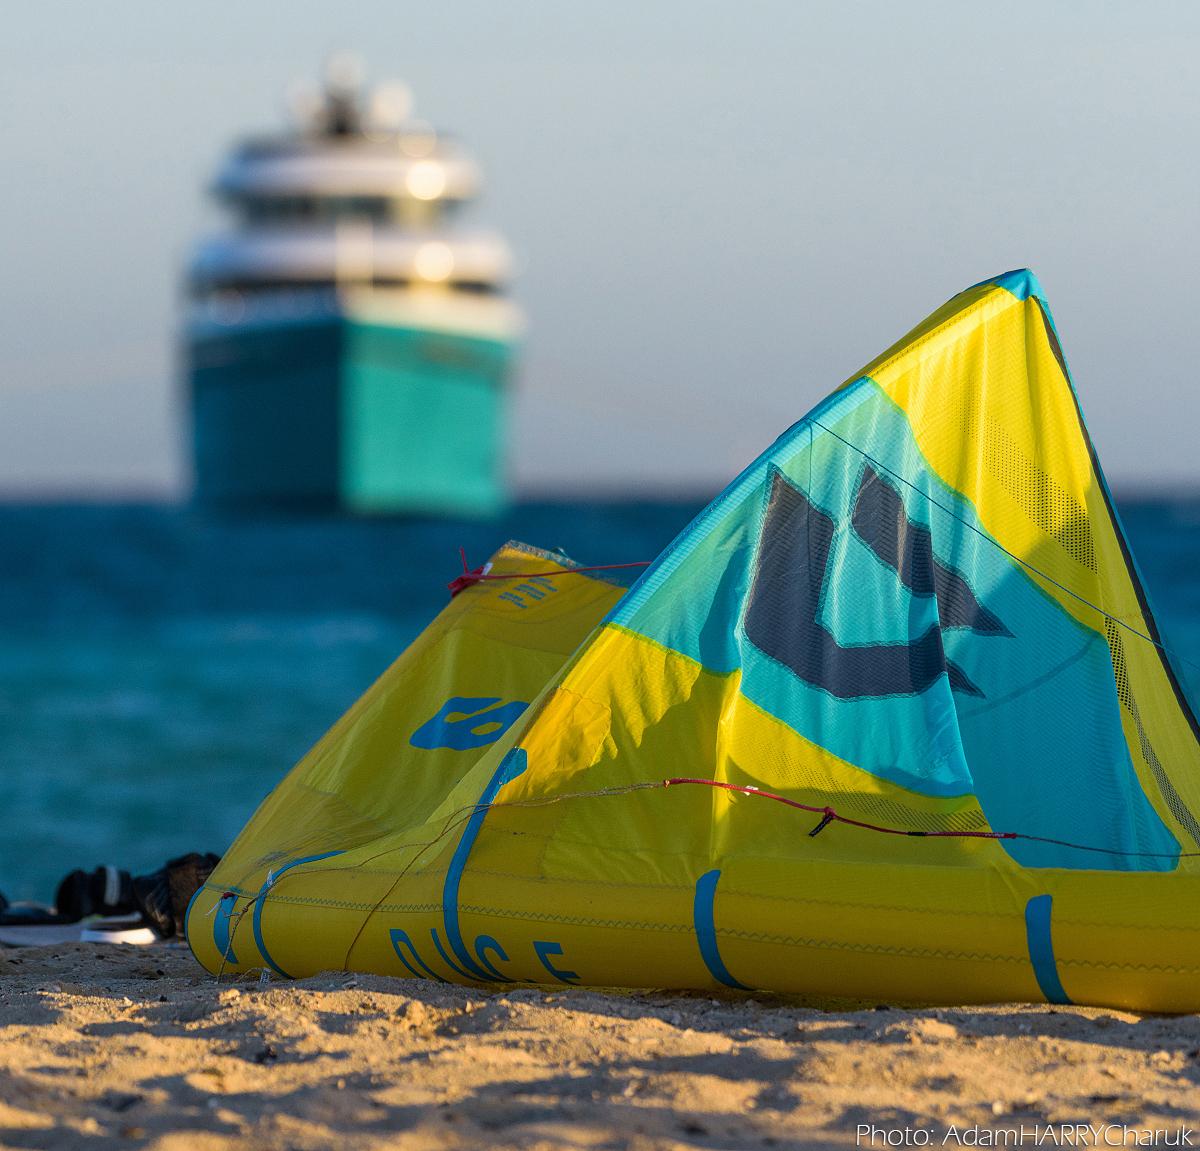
891 718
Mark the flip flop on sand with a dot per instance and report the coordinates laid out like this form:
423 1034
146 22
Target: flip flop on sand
108 905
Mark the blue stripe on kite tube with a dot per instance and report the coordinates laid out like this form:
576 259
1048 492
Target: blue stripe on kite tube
188 911
706 929
1041 949
511 766
261 898
221 938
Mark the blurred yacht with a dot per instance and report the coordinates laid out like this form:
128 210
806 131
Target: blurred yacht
348 342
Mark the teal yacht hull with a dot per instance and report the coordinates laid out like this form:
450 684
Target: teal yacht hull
353 414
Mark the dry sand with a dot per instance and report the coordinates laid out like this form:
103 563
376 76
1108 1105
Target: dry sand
120 1047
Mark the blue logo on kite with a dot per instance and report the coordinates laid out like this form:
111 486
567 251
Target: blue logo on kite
783 613
462 724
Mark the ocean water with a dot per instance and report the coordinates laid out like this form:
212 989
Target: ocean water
160 670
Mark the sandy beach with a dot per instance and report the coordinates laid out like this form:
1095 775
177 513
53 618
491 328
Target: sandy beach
122 1047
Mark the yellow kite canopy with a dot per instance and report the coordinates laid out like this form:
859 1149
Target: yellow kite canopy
891 718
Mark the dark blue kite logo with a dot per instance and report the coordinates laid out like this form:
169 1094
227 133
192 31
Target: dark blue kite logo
464 723
782 613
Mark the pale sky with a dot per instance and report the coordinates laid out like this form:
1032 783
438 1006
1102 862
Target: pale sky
719 211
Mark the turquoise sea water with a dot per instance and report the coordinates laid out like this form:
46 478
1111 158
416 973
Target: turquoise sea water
160 670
